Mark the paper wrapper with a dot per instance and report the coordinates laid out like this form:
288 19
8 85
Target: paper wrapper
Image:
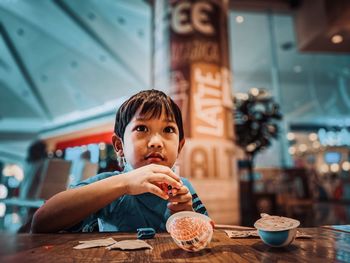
110 244
95 243
130 245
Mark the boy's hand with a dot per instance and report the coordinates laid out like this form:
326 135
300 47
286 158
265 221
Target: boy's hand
180 200
149 178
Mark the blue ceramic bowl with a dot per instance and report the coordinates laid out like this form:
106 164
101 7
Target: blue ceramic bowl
278 238
276 231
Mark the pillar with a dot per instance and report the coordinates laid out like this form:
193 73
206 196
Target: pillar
191 64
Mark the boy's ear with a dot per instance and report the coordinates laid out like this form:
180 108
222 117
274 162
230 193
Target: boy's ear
181 144
117 143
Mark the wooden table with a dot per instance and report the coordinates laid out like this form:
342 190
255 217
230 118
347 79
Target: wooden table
326 245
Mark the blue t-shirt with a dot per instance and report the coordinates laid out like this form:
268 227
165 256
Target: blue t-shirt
129 212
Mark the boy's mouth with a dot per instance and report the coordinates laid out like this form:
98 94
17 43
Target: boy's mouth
154 157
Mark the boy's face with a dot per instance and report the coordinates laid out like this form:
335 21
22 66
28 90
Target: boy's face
149 141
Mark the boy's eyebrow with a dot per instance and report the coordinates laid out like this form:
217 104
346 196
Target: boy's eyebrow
142 118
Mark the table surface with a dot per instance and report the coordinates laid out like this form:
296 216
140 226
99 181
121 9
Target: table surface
326 245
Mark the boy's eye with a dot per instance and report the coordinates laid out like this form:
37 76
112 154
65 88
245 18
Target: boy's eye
141 128
169 129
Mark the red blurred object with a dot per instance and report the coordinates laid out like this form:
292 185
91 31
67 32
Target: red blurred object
48 247
105 137
338 192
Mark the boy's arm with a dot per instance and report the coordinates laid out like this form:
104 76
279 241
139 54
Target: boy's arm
68 208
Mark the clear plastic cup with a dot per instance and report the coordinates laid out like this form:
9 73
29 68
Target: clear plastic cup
191 231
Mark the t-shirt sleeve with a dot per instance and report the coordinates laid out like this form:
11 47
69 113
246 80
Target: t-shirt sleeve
197 204
90 223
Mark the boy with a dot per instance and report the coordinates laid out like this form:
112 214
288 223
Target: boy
149 135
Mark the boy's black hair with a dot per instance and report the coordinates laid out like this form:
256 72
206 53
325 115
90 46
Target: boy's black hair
151 104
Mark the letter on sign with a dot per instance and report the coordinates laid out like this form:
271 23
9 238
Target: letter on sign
181 23
180 20
200 19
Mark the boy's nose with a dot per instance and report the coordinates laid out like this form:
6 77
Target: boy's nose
155 141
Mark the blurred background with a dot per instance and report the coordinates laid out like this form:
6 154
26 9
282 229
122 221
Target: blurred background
66 66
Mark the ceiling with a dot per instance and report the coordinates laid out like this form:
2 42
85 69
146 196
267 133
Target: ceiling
68 62
67 65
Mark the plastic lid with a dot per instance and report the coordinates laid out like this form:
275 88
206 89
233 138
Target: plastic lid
276 223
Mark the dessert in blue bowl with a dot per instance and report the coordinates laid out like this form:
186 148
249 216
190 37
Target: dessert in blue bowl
276 231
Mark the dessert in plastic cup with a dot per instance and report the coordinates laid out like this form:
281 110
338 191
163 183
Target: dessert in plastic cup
276 231
191 231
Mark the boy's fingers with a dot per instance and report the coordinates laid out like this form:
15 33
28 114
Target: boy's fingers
165 170
183 190
179 191
159 177
174 191
157 191
180 198
179 207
